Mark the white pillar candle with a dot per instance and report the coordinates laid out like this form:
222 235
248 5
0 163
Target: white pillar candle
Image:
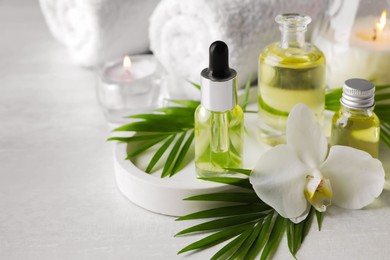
359 55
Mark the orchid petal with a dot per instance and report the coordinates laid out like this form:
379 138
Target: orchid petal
279 180
357 178
303 216
305 136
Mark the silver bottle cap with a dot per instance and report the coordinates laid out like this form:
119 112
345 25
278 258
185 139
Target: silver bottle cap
358 93
219 95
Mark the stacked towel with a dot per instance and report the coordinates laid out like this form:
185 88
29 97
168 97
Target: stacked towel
95 31
181 31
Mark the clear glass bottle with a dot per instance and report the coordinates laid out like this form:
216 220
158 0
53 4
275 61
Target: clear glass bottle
290 71
355 124
219 121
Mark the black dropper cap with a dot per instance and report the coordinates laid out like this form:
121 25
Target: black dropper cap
218 69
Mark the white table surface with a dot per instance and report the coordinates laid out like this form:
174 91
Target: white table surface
58 197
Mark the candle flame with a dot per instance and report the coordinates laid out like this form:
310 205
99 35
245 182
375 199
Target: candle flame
382 22
380 25
126 63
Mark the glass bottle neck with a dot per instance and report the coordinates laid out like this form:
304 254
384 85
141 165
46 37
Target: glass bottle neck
292 38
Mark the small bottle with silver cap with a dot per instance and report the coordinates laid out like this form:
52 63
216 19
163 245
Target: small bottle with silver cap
219 120
355 124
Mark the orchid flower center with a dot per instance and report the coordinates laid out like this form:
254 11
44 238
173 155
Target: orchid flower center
318 191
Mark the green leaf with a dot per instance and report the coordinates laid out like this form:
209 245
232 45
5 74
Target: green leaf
195 85
178 111
137 138
187 103
246 246
243 197
243 171
381 97
385 135
144 146
274 237
382 107
227 211
332 99
381 88
320 218
165 119
246 93
296 233
222 223
150 126
159 153
239 182
232 245
172 156
216 238
262 238
307 224
182 154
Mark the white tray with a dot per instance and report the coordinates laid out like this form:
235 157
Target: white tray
166 195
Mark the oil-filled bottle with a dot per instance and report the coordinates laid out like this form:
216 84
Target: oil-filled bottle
219 120
290 71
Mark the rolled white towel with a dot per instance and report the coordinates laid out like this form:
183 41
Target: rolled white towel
181 31
95 31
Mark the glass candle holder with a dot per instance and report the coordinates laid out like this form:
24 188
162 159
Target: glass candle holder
130 86
355 38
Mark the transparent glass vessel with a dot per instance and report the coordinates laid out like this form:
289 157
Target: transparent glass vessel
290 71
218 141
355 38
355 124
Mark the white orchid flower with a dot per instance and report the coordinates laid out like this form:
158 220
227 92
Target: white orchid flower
291 177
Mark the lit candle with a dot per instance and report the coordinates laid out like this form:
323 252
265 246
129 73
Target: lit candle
130 86
364 52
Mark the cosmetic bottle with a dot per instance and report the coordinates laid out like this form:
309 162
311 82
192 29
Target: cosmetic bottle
355 124
219 120
290 71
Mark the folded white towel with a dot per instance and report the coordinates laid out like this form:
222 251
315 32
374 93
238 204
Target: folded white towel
95 31
181 31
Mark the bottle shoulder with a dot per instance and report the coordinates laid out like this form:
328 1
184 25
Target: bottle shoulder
235 112
346 113
307 56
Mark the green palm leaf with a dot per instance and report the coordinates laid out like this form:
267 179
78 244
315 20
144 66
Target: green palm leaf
252 225
296 233
243 197
183 151
223 222
159 153
169 164
217 238
232 246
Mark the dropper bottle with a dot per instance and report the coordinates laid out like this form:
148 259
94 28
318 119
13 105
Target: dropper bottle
219 120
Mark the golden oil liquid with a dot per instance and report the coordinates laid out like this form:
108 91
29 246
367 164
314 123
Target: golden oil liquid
359 129
287 77
218 141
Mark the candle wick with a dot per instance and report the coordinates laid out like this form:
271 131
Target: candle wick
375 35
